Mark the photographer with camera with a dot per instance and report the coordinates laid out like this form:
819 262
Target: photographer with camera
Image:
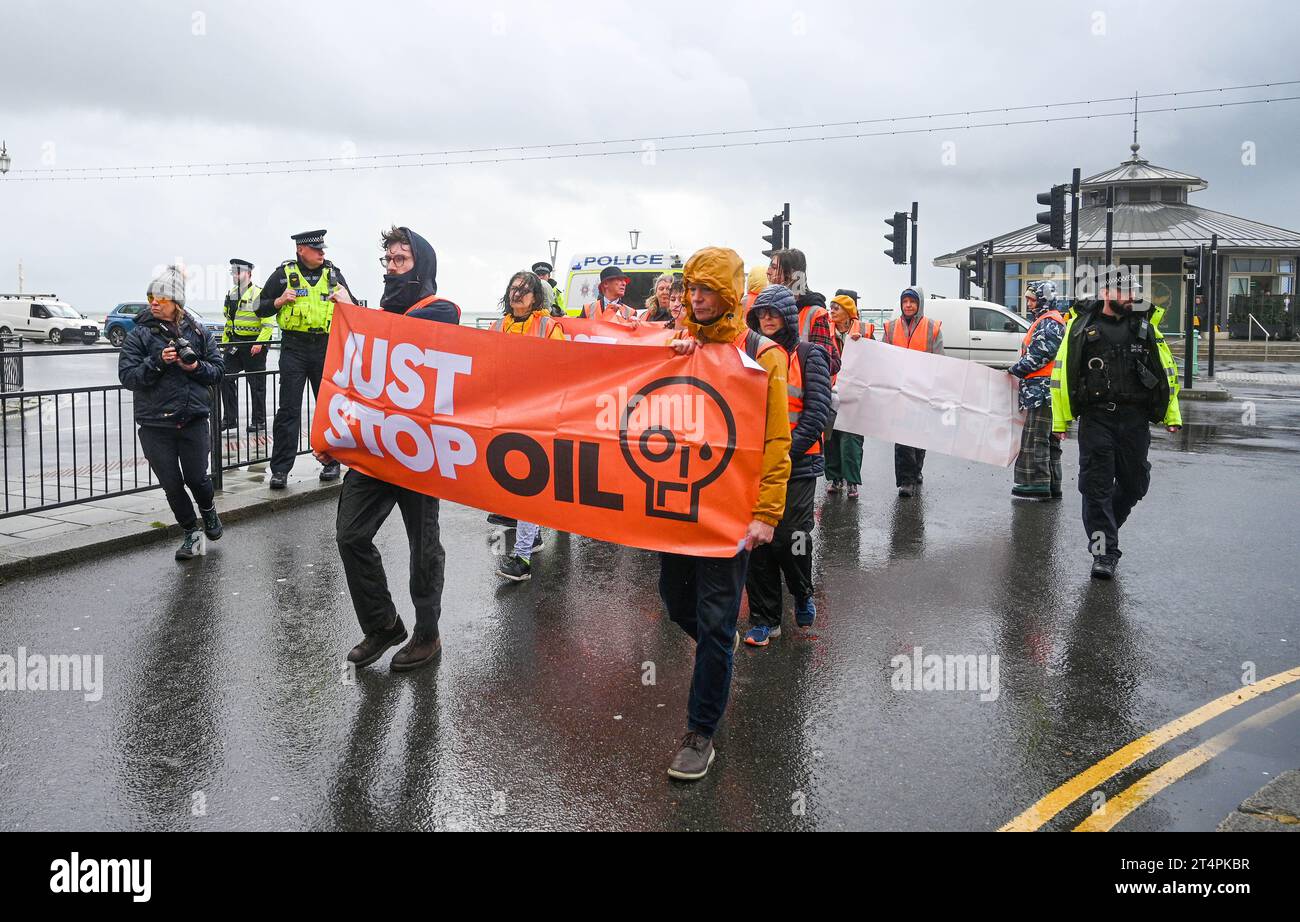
169 362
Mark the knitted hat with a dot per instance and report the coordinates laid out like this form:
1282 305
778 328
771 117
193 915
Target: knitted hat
170 285
849 305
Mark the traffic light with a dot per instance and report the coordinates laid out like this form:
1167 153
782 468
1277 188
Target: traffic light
1054 236
898 239
1193 263
774 239
978 269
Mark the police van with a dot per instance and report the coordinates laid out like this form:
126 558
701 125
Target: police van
642 268
44 318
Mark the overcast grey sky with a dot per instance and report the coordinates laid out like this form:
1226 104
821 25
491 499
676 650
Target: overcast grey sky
91 85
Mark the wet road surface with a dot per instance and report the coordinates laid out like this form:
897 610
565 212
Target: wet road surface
225 704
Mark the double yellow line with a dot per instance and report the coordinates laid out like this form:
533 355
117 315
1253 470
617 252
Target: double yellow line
1123 804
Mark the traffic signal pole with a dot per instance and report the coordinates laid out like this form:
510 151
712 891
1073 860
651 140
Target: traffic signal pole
1212 298
914 212
1194 271
1074 230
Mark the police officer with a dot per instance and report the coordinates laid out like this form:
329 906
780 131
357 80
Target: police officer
1115 372
244 345
543 270
301 294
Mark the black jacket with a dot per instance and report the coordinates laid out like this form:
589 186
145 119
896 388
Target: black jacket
816 381
168 395
404 291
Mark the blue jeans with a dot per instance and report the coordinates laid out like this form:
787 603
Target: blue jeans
525 535
702 595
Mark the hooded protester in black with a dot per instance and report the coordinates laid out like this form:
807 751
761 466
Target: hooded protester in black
403 290
816 374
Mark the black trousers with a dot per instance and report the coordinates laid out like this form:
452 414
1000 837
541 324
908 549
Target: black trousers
239 358
302 361
702 595
908 462
1113 472
178 457
790 553
364 505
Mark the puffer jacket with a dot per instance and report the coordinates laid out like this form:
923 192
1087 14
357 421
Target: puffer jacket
816 380
724 271
167 395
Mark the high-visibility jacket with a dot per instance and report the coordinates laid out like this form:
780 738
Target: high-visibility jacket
806 317
755 344
600 309
749 302
538 323
312 311
856 329
794 387
922 338
855 326
1066 375
1046 370
243 324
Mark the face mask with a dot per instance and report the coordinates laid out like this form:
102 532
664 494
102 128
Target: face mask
399 290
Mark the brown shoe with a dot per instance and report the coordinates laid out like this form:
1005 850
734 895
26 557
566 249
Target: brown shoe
416 654
375 643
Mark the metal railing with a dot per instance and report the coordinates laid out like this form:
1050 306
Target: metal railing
69 445
11 364
1252 322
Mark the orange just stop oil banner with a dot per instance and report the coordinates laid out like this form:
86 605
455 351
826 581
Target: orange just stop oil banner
621 442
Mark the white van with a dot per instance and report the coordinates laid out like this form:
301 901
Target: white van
641 266
981 331
44 318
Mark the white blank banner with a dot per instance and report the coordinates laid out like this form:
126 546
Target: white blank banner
952 406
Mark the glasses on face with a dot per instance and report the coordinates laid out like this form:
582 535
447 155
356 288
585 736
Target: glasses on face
518 291
401 259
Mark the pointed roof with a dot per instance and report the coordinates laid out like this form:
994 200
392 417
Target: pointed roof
1136 171
1142 225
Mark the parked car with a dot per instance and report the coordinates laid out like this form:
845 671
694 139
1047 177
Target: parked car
121 320
981 331
44 318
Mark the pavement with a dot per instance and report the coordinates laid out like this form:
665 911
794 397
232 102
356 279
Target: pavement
69 535
1273 808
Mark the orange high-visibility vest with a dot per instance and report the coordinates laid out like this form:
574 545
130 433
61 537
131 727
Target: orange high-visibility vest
754 343
538 323
806 318
604 310
794 388
922 338
856 327
749 302
1046 370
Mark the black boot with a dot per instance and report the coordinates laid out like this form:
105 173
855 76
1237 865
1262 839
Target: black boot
1103 567
212 523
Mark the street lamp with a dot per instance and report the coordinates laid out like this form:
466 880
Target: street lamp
633 236
555 248
4 159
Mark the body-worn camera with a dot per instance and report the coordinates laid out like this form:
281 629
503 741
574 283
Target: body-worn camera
184 350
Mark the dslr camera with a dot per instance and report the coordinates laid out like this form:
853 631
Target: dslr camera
184 350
